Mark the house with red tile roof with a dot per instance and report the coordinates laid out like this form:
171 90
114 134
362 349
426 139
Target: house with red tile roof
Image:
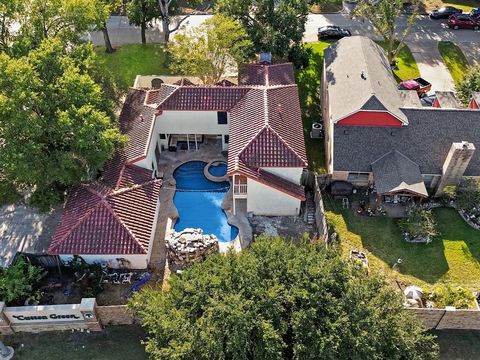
257 121
113 220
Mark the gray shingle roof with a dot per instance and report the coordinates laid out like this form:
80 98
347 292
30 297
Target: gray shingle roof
447 99
359 77
426 140
395 172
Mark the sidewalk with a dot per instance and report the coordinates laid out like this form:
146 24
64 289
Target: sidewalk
431 65
471 52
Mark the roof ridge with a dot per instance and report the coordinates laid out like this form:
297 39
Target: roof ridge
82 218
287 145
133 187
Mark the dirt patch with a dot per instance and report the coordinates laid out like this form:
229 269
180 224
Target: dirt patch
288 227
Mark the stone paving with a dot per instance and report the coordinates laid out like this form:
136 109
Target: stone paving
24 229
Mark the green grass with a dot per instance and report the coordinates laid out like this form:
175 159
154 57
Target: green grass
465 5
454 59
308 81
452 258
115 342
132 60
458 344
406 67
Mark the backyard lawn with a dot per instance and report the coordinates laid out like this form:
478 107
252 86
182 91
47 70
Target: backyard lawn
452 258
132 60
115 342
454 59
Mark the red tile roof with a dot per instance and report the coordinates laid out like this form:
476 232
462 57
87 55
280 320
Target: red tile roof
269 179
267 75
116 219
204 98
274 135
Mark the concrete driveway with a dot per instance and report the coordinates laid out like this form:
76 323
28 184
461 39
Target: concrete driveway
431 65
471 52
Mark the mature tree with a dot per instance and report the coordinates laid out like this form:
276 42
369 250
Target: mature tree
103 10
55 122
17 280
207 51
469 84
383 15
141 12
276 300
10 11
275 27
171 9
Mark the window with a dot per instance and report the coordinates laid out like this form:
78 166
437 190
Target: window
222 117
163 136
226 139
358 177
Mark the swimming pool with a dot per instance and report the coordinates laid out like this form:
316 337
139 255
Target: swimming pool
199 201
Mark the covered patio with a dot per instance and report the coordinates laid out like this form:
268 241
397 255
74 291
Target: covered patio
398 183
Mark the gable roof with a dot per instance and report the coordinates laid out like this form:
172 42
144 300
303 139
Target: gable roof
98 219
447 99
394 172
476 98
427 140
358 76
266 75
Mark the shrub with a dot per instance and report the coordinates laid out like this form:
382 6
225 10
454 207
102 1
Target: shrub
8 193
469 84
17 281
419 222
449 295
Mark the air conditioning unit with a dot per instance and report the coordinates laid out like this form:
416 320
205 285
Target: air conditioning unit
317 131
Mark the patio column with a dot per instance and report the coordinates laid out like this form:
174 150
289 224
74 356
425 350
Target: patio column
196 144
188 143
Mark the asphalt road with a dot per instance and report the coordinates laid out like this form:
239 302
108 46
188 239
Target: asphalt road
426 29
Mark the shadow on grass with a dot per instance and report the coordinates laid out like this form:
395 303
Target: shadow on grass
308 81
382 238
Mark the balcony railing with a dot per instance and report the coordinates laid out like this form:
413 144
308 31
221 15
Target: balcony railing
240 189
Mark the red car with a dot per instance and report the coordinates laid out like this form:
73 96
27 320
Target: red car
463 21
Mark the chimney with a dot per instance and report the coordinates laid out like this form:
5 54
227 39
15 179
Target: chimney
455 164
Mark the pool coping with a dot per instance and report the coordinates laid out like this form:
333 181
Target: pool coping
214 178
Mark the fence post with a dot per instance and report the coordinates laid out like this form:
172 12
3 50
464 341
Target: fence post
5 328
88 308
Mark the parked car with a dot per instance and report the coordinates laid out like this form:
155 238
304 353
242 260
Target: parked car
332 32
475 12
444 12
463 21
421 85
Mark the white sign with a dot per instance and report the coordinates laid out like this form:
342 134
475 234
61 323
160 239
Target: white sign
47 313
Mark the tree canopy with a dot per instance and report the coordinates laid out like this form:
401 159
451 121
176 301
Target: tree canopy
141 12
55 121
384 17
276 300
17 280
219 44
469 84
273 26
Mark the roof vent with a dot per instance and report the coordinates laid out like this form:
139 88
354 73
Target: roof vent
279 108
362 75
345 132
265 58
392 133
141 117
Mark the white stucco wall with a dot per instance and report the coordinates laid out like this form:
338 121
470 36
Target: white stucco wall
191 122
136 261
264 200
291 174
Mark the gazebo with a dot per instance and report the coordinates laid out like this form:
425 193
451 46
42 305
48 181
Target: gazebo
398 179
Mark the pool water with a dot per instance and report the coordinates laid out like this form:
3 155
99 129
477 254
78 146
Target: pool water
199 201
218 169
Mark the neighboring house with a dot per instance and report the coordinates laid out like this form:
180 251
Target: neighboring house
377 134
257 121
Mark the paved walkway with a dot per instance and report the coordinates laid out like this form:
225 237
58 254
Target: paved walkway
431 64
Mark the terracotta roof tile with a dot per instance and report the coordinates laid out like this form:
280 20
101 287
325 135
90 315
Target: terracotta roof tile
114 216
267 75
